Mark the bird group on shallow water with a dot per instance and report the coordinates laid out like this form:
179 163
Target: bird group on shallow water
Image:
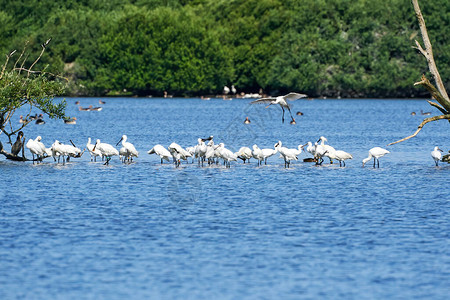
205 152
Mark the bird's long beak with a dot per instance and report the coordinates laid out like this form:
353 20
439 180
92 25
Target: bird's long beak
440 150
318 140
72 143
119 141
93 149
304 145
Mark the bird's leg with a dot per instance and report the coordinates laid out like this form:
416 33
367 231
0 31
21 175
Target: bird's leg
378 163
269 105
282 118
290 113
374 162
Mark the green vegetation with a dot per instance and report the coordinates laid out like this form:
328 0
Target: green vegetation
22 85
348 48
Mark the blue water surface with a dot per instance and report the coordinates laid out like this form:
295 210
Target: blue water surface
144 230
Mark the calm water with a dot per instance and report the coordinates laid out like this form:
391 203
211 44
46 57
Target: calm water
145 230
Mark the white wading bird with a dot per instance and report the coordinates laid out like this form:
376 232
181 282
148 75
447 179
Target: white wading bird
327 148
257 154
35 148
162 152
375 153
266 153
281 100
244 153
436 155
178 153
339 155
92 152
287 154
128 150
107 150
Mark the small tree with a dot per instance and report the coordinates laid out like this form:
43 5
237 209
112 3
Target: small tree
22 86
439 93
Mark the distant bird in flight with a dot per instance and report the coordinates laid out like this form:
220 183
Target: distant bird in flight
281 100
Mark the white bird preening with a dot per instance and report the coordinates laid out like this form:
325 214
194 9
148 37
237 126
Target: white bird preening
178 153
162 152
281 100
128 151
62 150
244 153
200 151
226 154
375 153
35 149
107 150
436 154
257 154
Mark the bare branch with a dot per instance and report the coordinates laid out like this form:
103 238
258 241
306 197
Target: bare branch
429 50
438 107
428 120
40 72
434 93
419 47
21 54
37 59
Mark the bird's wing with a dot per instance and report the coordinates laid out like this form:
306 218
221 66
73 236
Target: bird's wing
263 100
294 96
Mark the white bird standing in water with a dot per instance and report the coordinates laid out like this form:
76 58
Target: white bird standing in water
244 153
266 153
128 149
34 148
107 150
375 153
311 148
436 154
257 154
327 148
281 100
339 155
94 153
178 153
286 153
226 154
162 152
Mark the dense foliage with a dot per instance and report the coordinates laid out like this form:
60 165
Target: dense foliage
348 48
21 85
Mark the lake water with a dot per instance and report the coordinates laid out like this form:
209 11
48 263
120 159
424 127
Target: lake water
145 230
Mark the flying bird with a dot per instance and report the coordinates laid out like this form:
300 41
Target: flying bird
281 100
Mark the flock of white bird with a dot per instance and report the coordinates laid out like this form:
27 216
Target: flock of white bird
206 151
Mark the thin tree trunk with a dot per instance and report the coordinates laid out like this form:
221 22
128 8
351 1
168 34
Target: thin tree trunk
428 54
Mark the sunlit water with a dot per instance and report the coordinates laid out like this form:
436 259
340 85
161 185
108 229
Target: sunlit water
145 230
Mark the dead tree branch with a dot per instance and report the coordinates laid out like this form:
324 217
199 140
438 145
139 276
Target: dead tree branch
428 120
439 93
428 53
